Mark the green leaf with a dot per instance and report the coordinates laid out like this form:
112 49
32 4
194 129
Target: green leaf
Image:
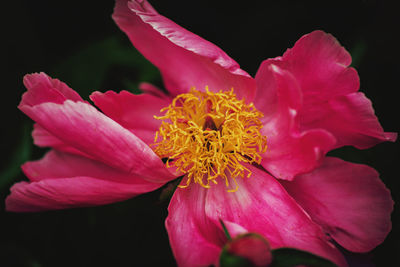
21 154
228 236
288 257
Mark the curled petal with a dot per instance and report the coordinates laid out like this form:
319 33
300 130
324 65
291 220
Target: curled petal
348 200
42 88
290 150
184 59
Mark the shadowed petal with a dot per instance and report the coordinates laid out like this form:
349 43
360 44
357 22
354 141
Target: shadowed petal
348 200
184 59
62 193
151 89
134 112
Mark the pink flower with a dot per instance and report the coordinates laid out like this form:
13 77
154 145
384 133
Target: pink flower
306 103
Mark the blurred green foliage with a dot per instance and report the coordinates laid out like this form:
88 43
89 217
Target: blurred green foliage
358 53
21 154
289 257
92 67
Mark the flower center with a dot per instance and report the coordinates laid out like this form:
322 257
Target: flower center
208 135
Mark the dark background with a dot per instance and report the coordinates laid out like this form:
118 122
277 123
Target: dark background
77 42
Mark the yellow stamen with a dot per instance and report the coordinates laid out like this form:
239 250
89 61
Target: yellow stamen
209 135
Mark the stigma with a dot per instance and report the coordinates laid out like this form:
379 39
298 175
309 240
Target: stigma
210 137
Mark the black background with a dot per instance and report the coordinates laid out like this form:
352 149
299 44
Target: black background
43 35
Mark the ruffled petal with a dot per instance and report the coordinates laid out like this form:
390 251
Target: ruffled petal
290 150
348 200
262 205
62 193
321 67
42 88
195 241
184 59
134 112
86 129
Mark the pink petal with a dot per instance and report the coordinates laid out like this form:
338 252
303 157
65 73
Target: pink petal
81 126
321 67
348 200
195 241
43 138
57 164
350 118
290 151
151 89
61 180
42 88
184 59
134 112
62 193
262 205
234 229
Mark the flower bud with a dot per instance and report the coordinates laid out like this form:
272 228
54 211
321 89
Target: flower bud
246 250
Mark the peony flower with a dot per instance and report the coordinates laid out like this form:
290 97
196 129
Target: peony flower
250 151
